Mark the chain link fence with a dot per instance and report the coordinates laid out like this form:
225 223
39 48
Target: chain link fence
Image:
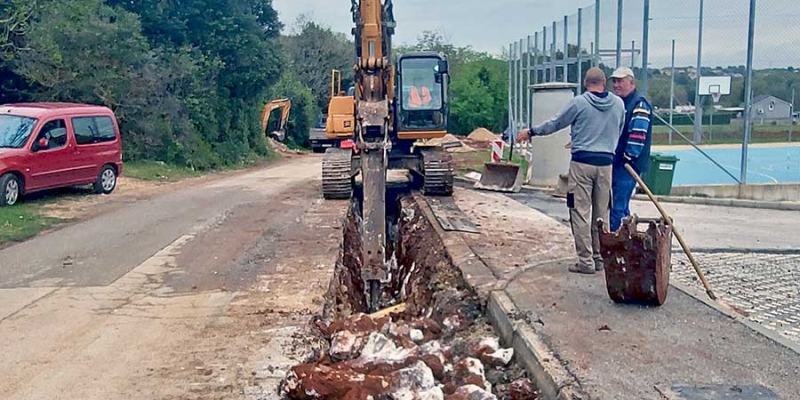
683 43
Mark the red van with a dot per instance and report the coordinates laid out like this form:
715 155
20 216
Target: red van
51 145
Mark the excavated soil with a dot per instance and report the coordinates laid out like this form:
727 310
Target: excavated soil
433 341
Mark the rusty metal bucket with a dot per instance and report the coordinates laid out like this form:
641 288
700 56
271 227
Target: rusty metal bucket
501 177
637 264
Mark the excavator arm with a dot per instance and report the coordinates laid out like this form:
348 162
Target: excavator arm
384 133
374 27
286 106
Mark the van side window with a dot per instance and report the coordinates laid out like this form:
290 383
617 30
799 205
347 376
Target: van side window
55 132
84 130
105 129
89 130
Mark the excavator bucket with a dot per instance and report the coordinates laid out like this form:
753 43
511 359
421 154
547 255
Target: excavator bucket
637 263
279 135
501 177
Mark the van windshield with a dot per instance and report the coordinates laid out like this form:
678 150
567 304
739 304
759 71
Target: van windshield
15 131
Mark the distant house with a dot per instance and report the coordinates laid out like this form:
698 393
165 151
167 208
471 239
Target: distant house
768 109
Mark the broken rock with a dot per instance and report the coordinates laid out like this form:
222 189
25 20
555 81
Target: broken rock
471 392
415 383
379 349
346 345
311 382
499 358
469 371
522 389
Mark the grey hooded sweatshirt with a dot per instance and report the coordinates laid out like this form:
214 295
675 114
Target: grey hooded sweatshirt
597 121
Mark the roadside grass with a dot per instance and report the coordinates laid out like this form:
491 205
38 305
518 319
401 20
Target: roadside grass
158 171
162 172
23 221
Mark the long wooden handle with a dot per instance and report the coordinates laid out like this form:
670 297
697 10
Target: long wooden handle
674 230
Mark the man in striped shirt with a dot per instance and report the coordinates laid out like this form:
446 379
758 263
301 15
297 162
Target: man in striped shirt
634 144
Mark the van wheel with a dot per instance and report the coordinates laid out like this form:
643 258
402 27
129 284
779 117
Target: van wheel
106 180
10 190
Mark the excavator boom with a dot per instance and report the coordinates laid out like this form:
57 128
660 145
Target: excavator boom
374 25
386 127
286 107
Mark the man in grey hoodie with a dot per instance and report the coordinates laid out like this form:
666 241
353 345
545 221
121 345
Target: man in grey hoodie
597 118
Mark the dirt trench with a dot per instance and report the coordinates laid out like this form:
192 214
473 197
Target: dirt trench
432 341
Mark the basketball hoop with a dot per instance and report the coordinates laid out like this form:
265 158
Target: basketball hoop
715 86
715 92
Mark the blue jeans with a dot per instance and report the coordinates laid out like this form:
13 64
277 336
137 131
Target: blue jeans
622 187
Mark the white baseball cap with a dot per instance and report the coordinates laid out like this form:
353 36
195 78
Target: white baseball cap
623 72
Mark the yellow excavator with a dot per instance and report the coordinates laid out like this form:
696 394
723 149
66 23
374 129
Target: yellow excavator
396 106
286 106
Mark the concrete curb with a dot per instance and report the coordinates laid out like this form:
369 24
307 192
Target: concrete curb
546 372
550 376
524 188
766 205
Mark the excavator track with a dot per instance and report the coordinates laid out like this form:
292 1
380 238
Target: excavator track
438 172
337 181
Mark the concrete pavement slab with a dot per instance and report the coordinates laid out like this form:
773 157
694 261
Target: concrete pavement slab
611 351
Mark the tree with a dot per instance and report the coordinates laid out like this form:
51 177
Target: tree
233 44
479 96
313 51
304 108
479 85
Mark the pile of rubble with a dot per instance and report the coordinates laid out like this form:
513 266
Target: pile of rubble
281 148
432 343
397 357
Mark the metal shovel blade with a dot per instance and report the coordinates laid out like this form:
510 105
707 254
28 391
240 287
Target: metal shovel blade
501 177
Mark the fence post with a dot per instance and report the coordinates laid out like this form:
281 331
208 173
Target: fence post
672 91
566 48
633 54
596 52
535 63
748 92
698 106
528 97
619 33
579 52
646 49
554 56
545 55
510 87
520 93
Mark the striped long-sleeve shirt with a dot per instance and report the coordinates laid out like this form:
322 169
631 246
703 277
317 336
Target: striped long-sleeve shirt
638 130
634 144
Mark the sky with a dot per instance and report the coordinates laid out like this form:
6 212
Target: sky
500 22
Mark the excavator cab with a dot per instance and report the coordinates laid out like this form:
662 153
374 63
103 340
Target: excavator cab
340 122
422 84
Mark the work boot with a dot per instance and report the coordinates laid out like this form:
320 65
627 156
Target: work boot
599 265
582 269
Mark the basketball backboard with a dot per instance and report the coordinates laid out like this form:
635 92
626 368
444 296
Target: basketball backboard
715 86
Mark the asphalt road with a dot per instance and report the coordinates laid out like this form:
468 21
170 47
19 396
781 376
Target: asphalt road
202 292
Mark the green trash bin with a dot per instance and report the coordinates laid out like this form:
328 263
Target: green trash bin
659 177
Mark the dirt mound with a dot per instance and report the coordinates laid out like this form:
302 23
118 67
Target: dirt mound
282 148
450 138
482 135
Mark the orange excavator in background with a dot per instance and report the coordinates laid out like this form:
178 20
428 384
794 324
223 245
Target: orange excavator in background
286 106
386 130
